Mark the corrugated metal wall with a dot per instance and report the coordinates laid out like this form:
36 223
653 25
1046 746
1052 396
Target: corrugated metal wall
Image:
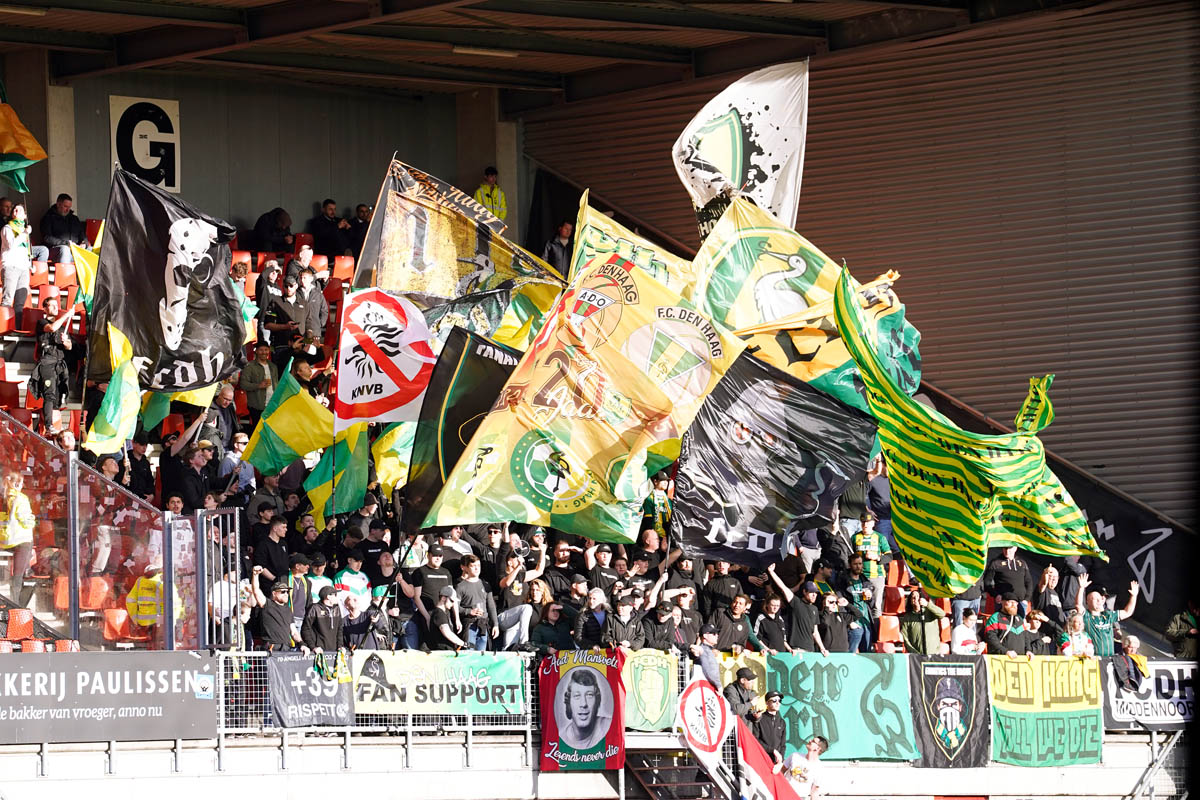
1035 183
248 147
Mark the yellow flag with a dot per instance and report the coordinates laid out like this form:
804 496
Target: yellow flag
598 236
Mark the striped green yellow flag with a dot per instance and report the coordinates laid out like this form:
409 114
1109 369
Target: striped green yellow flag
292 425
392 450
157 405
339 481
955 493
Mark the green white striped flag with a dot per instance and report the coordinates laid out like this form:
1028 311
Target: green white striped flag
956 493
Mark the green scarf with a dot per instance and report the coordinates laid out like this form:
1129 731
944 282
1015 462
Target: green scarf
18 229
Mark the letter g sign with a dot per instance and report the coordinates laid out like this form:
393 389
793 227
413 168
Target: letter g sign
145 138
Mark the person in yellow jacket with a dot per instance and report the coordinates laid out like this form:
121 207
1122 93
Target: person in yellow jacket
145 600
16 530
490 195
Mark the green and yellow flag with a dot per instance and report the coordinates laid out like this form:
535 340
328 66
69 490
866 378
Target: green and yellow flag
597 404
339 481
511 314
807 345
116 420
18 148
598 236
392 451
292 425
954 493
157 405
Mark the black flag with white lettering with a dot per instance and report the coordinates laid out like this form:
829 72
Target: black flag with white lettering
163 284
950 710
468 377
767 452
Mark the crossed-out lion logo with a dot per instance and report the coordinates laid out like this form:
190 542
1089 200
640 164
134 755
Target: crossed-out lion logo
384 330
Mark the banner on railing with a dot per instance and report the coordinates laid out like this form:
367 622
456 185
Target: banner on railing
860 703
411 682
1046 711
309 690
1164 700
100 697
950 710
583 702
706 721
651 687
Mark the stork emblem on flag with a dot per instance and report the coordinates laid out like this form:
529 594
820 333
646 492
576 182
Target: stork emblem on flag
384 362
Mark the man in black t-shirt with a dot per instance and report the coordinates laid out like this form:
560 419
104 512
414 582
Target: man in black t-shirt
720 589
516 613
601 574
445 633
372 547
558 575
429 580
803 635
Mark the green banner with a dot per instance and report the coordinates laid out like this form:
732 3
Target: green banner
410 682
651 679
1046 711
860 703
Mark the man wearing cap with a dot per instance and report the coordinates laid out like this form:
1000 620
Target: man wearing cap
445 631
740 695
241 488
574 602
1004 631
600 574
1100 623
286 315
804 634
720 590
141 475
491 553
641 575
770 729
275 621
316 577
360 520
624 628
429 581
660 627
351 580
1009 574
322 628
193 484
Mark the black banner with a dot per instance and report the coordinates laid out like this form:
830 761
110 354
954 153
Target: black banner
163 282
100 697
1164 700
950 710
765 450
467 379
303 695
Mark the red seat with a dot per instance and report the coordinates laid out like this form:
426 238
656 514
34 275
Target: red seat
944 622
30 318
64 275
889 628
62 594
239 403
20 624
319 264
885 647
23 416
252 284
40 274
117 628
301 239
989 605
897 573
66 645
10 395
33 646
173 422
343 268
96 593
5 647
92 229
233 245
893 600
32 403
8 320
240 255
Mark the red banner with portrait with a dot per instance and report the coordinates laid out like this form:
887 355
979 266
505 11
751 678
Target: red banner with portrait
583 702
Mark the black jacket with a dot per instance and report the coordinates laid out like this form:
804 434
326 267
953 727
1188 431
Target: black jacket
731 631
328 239
740 701
587 631
60 231
659 635
322 628
193 485
999 578
371 631
269 238
616 632
771 731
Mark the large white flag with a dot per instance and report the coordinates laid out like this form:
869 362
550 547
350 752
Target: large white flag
748 139
384 360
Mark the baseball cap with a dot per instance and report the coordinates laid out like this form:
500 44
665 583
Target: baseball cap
774 695
641 555
809 586
298 558
290 280
664 607
436 550
378 525
625 600
577 578
1004 598
317 559
204 444
746 673
603 548
448 591
281 586
708 629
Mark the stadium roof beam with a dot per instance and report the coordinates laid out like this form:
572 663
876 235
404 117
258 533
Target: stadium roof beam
278 22
676 16
524 43
162 12
59 40
389 71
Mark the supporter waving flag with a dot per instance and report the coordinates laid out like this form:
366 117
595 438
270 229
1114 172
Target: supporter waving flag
596 406
955 493
163 282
